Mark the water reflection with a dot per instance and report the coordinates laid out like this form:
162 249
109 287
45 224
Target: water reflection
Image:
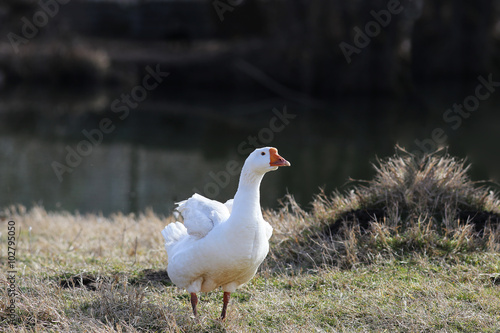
166 149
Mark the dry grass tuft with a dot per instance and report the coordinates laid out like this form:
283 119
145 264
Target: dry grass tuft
427 204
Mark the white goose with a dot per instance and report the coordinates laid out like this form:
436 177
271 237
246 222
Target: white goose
222 244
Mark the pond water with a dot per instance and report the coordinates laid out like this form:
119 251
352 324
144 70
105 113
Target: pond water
73 153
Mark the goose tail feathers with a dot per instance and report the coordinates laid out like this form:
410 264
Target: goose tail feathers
173 233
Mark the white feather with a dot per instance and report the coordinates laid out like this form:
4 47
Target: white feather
201 214
173 233
229 205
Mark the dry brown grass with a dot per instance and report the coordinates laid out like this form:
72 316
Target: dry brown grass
88 273
51 247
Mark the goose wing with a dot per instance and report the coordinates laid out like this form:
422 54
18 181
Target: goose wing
201 214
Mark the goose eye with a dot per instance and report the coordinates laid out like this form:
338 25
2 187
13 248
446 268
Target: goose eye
263 153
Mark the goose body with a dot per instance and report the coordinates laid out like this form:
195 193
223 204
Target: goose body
222 245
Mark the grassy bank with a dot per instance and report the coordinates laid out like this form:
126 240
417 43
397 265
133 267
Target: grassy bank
379 258
414 205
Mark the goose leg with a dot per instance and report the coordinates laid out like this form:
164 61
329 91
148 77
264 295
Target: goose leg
227 295
194 302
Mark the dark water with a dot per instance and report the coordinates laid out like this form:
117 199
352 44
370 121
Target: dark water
169 147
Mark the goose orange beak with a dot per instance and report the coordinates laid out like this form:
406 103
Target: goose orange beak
276 159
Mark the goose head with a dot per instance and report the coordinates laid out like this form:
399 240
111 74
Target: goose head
266 159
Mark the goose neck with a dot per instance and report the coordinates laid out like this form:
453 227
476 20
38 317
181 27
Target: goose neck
247 198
